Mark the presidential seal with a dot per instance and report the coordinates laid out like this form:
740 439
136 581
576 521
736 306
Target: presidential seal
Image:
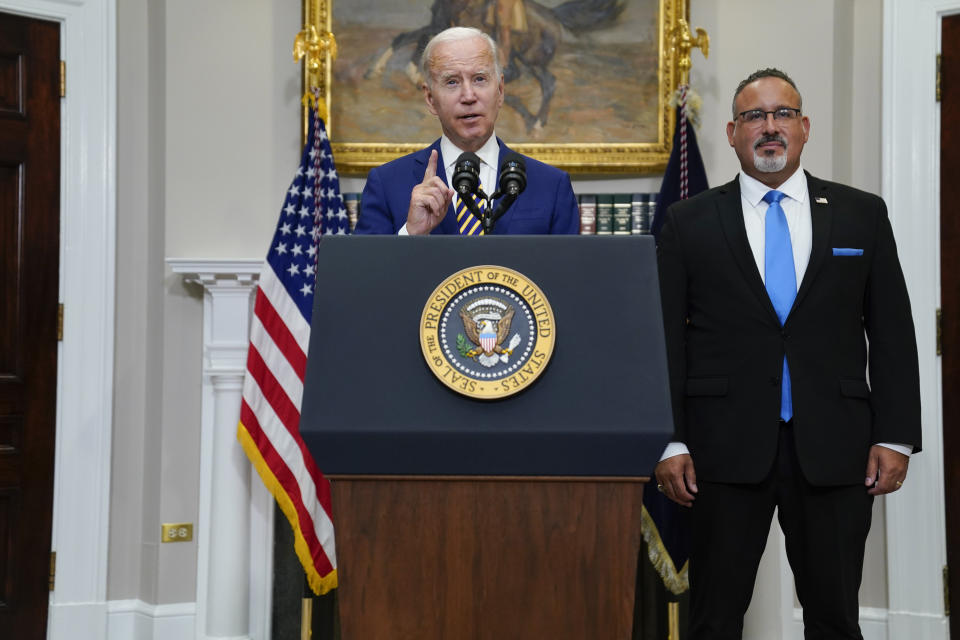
487 332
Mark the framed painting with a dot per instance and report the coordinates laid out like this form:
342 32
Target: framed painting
588 83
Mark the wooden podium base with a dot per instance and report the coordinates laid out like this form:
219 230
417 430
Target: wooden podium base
463 558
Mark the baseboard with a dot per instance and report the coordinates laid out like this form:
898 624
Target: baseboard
77 621
137 620
918 626
873 624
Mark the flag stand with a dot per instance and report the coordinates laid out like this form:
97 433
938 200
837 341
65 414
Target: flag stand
306 617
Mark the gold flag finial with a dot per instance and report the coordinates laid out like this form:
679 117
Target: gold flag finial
312 46
683 41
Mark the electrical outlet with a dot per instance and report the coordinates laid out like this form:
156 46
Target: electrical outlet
177 532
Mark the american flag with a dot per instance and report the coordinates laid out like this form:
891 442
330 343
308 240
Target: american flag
269 429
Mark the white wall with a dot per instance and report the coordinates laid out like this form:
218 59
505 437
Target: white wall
208 101
232 101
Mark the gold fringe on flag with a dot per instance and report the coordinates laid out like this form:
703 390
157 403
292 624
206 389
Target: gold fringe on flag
319 584
675 581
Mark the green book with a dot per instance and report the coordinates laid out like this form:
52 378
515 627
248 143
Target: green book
605 214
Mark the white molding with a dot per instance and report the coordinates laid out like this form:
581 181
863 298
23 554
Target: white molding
77 620
234 576
873 624
137 620
917 626
85 359
207 270
915 515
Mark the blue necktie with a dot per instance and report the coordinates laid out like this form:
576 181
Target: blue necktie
780 279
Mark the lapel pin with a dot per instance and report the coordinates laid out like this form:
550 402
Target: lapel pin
821 200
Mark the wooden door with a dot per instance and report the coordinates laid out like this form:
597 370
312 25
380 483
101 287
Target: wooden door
29 258
950 297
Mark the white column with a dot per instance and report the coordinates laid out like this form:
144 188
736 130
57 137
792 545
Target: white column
228 587
233 587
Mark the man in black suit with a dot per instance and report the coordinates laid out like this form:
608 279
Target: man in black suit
793 370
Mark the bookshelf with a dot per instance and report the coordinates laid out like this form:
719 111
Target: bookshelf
600 214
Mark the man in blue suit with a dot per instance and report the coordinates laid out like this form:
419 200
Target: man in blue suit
412 195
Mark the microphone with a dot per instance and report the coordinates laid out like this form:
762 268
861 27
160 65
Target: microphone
466 181
513 174
466 173
512 182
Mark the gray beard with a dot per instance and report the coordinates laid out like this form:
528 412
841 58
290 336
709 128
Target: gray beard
769 164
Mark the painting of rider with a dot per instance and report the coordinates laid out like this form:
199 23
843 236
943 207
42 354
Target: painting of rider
583 72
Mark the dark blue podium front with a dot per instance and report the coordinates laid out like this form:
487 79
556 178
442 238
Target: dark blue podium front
371 405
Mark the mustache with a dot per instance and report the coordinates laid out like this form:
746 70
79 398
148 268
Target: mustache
770 138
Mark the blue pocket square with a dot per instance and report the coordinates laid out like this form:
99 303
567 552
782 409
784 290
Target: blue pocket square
847 252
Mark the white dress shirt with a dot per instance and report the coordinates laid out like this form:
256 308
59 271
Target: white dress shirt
489 154
796 208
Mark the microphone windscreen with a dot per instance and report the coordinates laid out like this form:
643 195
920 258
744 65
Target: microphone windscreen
469 157
514 158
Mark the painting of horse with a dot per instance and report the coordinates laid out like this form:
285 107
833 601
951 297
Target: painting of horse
526 31
576 71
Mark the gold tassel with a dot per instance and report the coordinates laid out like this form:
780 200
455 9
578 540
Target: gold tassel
675 581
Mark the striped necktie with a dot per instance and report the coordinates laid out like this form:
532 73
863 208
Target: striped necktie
467 223
780 278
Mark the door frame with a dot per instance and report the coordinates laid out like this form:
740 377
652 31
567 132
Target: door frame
910 138
81 511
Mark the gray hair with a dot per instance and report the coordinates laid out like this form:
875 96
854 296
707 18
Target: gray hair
769 72
456 34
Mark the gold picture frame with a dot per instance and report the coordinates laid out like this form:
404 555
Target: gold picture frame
647 152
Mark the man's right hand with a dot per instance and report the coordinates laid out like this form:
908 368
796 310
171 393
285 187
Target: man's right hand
677 479
428 201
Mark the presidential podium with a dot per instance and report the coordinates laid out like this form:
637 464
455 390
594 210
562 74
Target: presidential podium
464 518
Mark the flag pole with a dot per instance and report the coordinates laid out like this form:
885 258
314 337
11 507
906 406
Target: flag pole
306 618
673 621
683 41
276 357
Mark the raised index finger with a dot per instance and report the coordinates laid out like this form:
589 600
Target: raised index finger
431 166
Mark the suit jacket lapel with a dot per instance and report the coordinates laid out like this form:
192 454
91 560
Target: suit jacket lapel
449 224
731 220
821 214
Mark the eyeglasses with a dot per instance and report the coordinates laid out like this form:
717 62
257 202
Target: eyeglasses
780 114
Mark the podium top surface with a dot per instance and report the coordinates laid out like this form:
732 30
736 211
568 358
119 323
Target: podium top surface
600 408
